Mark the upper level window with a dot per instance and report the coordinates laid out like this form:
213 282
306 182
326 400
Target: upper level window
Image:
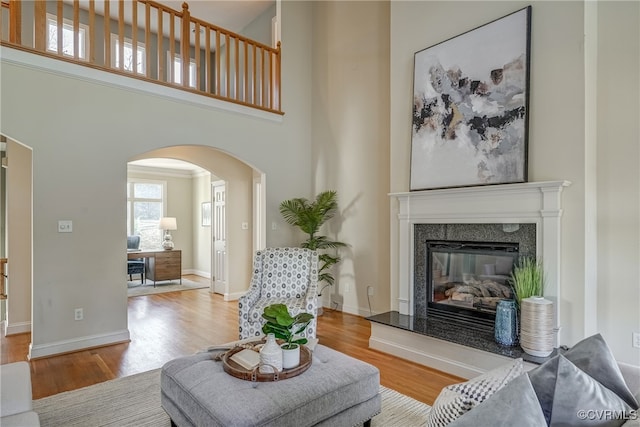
67 37
177 71
145 207
127 65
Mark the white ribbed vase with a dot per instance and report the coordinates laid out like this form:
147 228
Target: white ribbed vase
270 354
536 326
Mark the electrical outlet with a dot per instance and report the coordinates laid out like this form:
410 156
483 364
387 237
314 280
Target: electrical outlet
65 226
347 287
78 314
636 339
370 290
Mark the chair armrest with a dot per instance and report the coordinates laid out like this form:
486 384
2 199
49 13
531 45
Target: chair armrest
249 299
311 296
312 290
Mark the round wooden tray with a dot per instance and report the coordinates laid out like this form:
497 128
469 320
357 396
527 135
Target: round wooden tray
234 369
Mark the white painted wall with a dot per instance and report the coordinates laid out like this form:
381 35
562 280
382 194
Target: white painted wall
558 143
351 144
201 235
618 176
260 29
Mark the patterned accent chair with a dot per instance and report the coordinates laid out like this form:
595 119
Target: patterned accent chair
135 266
280 276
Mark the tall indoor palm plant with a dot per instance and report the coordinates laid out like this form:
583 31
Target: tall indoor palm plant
309 216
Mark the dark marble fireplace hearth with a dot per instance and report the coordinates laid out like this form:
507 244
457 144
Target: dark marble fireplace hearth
459 334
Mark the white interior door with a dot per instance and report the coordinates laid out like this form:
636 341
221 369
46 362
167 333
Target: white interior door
219 238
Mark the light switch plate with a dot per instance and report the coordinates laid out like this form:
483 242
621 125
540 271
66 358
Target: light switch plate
65 226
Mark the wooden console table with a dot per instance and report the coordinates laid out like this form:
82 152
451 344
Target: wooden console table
160 265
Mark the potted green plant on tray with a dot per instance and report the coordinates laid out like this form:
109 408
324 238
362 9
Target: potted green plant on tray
286 327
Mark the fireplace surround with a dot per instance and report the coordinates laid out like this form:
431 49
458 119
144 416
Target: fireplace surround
461 271
538 204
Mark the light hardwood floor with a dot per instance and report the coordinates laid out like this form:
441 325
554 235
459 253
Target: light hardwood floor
170 325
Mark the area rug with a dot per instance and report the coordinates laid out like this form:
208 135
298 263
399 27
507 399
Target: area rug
134 401
136 288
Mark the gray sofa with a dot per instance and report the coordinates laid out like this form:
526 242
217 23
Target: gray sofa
15 396
583 386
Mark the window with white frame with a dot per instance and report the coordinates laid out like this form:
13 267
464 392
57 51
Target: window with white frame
67 37
145 207
177 70
127 65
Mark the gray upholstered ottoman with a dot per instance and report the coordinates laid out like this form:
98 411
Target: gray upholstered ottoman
337 390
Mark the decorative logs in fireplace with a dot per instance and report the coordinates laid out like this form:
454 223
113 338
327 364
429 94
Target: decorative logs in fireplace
466 280
483 294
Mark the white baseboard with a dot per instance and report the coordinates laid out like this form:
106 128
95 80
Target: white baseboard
200 273
233 296
358 311
82 343
16 328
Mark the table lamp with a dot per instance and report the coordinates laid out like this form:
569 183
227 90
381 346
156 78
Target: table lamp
166 224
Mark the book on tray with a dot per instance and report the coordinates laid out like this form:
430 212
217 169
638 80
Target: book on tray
246 358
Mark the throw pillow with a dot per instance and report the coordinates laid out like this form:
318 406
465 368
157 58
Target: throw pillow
594 357
457 399
515 404
579 399
591 355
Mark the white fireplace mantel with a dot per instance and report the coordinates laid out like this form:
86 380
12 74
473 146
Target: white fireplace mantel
531 202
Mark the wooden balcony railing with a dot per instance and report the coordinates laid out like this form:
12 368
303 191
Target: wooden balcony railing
138 38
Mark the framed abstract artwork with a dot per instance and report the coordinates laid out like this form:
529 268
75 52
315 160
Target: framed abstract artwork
471 107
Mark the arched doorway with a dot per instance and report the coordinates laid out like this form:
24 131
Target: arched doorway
244 219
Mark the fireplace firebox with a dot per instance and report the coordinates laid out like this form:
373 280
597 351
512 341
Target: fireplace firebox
465 280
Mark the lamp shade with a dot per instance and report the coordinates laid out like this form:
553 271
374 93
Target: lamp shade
168 223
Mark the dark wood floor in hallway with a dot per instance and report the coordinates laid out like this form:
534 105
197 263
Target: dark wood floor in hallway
170 325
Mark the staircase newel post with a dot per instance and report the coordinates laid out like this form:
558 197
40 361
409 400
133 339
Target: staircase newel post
185 43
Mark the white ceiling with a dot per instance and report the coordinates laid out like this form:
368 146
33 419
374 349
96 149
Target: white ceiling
167 164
